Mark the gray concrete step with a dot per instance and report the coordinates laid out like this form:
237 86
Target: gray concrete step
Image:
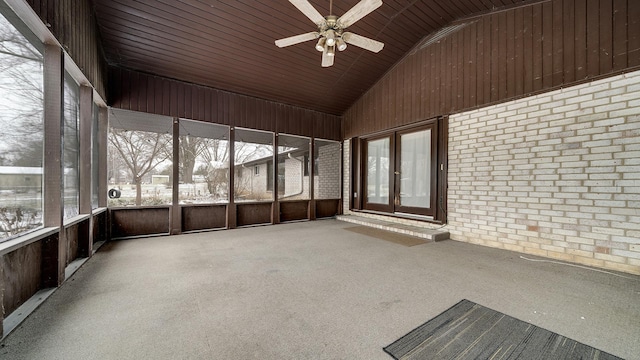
423 232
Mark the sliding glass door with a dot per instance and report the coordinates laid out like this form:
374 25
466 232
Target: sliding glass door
399 169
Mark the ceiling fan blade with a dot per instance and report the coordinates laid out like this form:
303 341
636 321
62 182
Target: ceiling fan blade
326 59
306 8
359 11
363 42
292 40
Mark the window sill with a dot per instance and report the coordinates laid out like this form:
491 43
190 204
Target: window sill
134 207
205 204
98 211
76 220
26 239
248 202
285 200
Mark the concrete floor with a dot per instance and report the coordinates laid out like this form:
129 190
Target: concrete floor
308 290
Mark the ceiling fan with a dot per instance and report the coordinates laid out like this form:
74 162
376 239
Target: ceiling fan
331 32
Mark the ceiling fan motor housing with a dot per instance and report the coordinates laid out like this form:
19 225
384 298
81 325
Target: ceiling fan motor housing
331 23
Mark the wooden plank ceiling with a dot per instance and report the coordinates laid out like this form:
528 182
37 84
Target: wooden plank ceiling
229 44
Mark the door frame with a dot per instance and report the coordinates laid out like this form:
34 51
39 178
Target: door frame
357 158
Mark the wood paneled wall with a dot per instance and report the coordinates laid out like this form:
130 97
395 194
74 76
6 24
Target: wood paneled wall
136 91
502 56
73 23
150 220
21 275
100 227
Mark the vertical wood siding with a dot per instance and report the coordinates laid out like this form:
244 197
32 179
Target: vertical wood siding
503 56
131 90
21 275
73 23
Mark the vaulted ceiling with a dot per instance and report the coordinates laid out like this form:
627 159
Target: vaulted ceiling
229 45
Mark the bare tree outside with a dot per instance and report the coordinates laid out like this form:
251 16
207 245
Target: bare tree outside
216 156
210 161
213 168
189 150
140 152
21 138
21 83
142 161
204 161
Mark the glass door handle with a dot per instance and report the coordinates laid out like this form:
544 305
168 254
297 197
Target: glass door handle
397 172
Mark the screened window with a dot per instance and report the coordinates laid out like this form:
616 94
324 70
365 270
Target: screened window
327 159
71 147
95 157
204 163
253 164
270 178
293 183
140 153
21 121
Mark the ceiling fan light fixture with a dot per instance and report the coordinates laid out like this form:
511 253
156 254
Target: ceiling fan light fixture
331 51
320 45
340 44
331 37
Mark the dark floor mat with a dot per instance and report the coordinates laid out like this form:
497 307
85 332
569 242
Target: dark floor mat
402 239
472 331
